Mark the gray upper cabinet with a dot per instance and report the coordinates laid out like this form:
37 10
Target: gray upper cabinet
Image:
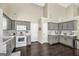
28 25
25 23
6 22
9 24
70 25
60 26
74 24
52 26
13 24
65 26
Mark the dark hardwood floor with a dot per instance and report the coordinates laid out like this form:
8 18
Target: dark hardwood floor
37 49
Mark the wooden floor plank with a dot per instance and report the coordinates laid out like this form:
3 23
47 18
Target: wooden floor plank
37 49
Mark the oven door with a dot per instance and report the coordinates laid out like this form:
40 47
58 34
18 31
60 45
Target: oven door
21 41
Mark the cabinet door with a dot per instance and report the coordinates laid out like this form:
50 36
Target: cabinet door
60 26
62 40
69 41
74 24
28 25
8 48
66 40
52 39
8 24
52 26
65 26
13 24
70 25
29 40
12 44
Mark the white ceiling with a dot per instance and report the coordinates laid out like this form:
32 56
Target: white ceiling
64 4
40 4
61 4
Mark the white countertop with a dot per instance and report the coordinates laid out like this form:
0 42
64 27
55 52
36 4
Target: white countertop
7 38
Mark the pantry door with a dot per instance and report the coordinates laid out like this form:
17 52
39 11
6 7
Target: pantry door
34 31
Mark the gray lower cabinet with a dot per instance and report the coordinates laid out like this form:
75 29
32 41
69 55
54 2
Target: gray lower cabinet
52 39
70 41
66 40
29 40
10 46
62 40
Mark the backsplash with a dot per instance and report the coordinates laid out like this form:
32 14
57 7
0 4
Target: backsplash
8 32
14 32
68 33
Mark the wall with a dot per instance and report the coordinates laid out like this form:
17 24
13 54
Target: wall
43 31
56 11
71 11
1 28
45 11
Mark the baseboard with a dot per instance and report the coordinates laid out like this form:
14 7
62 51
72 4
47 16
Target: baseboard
36 42
55 43
61 44
48 44
66 45
51 44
